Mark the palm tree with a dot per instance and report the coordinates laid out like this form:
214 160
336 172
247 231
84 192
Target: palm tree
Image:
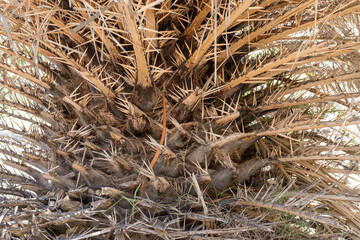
160 119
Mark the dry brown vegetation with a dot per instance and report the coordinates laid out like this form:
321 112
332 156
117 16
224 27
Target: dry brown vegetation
179 119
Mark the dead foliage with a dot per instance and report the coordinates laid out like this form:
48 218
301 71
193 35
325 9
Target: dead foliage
161 119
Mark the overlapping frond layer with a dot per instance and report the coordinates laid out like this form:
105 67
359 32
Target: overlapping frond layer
163 119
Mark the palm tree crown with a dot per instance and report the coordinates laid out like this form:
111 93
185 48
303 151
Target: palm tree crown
166 119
